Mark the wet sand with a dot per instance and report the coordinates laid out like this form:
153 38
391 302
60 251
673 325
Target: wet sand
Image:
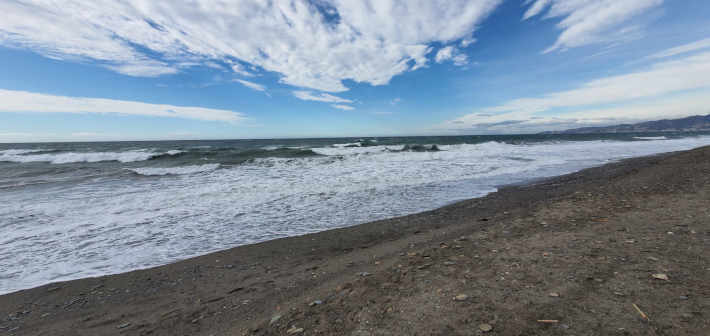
580 249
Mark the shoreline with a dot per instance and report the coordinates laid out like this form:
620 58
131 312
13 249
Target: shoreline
238 290
531 182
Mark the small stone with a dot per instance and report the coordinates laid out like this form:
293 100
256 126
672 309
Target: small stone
565 326
554 294
450 263
485 327
598 280
682 297
123 326
366 274
618 293
652 258
660 276
339 288
461 297
275 319
294 330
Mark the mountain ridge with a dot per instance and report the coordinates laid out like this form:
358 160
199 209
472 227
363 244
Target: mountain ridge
696 123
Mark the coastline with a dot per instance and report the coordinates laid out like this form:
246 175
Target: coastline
240 290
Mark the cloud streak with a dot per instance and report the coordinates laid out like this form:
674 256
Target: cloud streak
323 97
343 107
309 44
23 102
592 21
689 73
253 86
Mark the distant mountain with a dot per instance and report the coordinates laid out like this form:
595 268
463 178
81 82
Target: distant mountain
688 124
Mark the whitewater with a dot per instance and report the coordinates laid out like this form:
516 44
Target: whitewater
82 210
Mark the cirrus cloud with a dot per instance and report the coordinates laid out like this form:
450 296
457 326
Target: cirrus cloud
592 21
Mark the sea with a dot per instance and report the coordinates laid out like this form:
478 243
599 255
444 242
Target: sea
78 210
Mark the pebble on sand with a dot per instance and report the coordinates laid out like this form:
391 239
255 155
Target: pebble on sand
275 319
660 276
485 327
461 297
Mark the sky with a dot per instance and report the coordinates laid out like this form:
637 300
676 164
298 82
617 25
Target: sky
108 70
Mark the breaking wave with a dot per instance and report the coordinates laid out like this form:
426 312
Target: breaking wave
129 156
185 170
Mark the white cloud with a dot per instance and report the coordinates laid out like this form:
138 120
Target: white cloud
324 97
94 134
369 41
182 133
395 101
702 44
692 72
239 70
251 85
593 21
22 101
343 107
451 53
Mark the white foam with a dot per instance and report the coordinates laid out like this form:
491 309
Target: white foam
128 156
350 144
183 170
21 151
341 150
651 138
114 224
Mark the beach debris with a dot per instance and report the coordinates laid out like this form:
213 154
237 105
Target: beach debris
53 289
461 297
660 276
598 220
548 321
598 280
554 294
485 327
450 263
640 312
377 263
339 288
565 326
123 326
365 274
652 258
682 297
351 264
275 319
294 330
618 293
315 303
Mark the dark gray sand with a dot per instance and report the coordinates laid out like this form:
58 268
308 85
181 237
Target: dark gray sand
580 249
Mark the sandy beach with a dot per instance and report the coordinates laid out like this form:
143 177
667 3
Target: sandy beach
621 249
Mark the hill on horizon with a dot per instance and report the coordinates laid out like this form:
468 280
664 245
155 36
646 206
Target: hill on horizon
697 123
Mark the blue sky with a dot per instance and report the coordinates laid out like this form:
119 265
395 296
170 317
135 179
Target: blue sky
135 70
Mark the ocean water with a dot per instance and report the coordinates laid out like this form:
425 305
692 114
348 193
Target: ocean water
76 210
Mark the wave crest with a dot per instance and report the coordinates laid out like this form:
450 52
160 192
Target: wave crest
184 170
129 156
